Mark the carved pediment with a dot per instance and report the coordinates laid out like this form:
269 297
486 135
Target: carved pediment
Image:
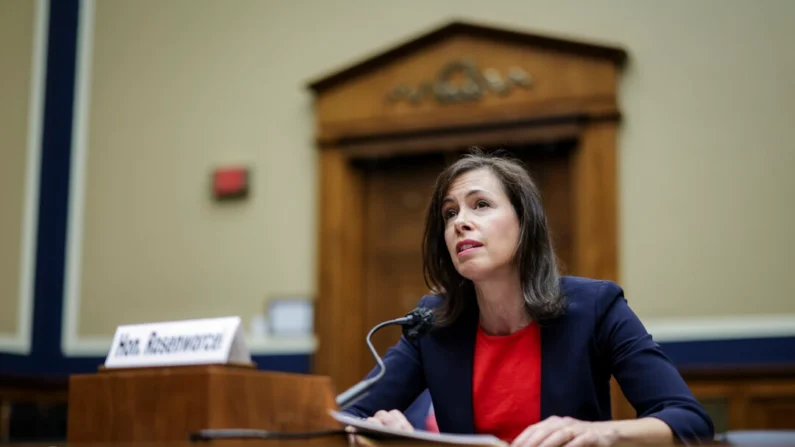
461 80
464 74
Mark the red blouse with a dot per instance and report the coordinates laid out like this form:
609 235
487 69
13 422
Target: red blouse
506 382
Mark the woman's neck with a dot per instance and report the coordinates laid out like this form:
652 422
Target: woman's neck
501 305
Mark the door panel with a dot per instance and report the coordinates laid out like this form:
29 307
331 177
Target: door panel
397 197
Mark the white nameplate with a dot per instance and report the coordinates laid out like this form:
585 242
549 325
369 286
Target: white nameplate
189 342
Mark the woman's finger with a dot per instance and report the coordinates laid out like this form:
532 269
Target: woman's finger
375 420
393 419
386 418
534 435
399 420
559 437
383 417
586 439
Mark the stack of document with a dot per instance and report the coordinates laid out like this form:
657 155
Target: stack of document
376 431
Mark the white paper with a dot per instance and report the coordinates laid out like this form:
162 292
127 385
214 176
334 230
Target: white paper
363 427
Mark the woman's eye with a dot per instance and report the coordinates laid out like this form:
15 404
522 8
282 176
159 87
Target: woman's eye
481 204
449 214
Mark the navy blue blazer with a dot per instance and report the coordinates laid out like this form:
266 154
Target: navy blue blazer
598 336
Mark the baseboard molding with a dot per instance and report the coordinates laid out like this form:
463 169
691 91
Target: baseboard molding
686 329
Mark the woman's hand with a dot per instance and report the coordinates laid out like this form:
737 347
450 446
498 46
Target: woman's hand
391 419
559 431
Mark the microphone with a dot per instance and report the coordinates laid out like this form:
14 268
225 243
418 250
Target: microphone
415 324
422 320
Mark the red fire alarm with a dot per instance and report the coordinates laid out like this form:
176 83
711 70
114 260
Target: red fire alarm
230 182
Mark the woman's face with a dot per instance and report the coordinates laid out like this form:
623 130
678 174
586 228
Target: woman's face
481 226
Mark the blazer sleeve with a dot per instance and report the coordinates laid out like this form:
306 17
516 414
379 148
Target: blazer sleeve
400 385
647 377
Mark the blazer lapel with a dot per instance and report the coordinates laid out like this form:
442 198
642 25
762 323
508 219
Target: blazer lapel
460 362
553 360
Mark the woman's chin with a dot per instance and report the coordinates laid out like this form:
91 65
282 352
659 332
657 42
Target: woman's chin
473 273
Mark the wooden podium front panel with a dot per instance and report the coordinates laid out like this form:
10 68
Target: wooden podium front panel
247 398
152 404
169 403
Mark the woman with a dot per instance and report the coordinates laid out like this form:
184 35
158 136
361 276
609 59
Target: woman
519 351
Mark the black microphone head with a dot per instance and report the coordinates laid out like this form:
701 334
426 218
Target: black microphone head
423 320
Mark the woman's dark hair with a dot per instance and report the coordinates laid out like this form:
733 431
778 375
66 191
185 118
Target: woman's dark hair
534 255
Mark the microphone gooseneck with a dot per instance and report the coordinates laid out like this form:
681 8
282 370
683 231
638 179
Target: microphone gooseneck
415 324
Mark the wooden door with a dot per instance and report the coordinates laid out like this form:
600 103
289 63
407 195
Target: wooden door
397 193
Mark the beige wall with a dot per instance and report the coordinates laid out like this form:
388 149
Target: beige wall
180 86
16 51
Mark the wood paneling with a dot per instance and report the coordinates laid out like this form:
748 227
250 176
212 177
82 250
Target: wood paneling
753 398
338 321
594 176
737 398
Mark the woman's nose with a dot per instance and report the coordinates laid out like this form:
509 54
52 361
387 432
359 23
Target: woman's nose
462 222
